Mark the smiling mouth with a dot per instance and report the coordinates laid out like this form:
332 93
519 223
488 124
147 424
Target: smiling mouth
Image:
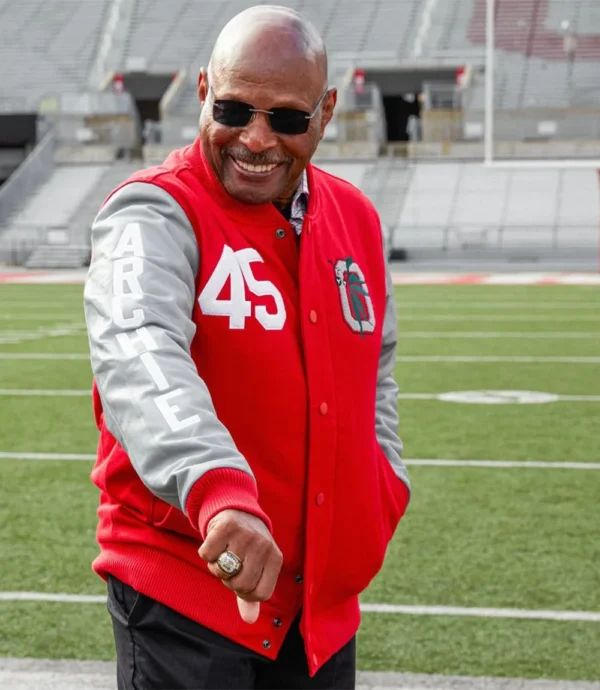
255 169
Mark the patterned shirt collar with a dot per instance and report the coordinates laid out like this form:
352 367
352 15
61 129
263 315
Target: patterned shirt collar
300 204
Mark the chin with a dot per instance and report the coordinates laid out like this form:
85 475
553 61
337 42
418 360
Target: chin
251 196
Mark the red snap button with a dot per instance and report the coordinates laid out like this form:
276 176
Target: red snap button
313 316
320 499
323 408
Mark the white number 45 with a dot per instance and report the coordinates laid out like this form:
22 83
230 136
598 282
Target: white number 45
236 266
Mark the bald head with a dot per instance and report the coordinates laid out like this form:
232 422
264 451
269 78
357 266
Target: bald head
274 37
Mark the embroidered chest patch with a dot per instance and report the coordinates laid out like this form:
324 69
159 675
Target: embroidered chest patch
357 306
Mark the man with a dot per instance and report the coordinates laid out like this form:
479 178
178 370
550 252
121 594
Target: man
242 333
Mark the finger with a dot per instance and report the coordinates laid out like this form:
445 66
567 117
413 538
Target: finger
268 579
213 546
249 610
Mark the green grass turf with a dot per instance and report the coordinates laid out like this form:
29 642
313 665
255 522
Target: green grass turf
526 545
564 432
47 527
479 647
50 294
47 630
568 379
525 539
50 425
73 344
436 295
48 374
499 347
496 538
472 537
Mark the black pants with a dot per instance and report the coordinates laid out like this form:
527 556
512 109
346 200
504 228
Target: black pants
159 649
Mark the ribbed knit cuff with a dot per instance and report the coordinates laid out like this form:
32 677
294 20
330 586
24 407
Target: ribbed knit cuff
223 489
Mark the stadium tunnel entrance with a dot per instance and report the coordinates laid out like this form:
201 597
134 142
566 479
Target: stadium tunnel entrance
402 93
147 91
18 137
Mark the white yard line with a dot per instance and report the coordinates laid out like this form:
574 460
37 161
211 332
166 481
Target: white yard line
521 335
40 304
45 356
59 598
495 359
434 462
47 456
556 398
504 464
400 358
33 393
530 614
535 306
35 316
403 318
549 397
56 331
25 356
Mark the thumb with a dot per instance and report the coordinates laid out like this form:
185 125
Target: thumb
249 610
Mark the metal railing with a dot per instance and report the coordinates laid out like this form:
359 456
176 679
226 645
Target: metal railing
530 124
34 171
19 243
490 240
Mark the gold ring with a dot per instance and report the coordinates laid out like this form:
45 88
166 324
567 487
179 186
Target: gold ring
229 563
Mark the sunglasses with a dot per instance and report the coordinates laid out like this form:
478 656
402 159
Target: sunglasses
282 120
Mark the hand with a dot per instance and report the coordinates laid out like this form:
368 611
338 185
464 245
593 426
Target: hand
248 538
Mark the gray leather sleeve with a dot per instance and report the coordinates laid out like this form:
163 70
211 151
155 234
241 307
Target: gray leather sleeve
138 299
386 409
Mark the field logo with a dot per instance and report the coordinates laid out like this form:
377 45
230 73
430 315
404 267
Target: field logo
357 306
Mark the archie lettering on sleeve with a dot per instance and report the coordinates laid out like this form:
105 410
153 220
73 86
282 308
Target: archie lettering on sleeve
127 313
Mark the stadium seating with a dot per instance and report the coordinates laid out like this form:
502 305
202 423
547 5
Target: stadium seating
532 68
55 47
180 34
464 207
47 47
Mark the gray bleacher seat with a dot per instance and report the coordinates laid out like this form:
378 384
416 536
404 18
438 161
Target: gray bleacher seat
181 33
48 47
393 27
453 205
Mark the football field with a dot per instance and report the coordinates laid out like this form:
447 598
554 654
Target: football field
494 571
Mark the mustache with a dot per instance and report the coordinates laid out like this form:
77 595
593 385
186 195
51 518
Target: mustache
250 158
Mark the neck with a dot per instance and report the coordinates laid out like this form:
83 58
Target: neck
286 198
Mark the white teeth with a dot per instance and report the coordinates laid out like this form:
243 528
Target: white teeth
256 168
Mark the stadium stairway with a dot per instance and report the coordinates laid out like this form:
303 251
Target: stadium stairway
76 253
49 210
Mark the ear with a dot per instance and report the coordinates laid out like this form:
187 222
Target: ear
202 86
328 108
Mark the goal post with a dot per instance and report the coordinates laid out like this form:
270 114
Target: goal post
580 146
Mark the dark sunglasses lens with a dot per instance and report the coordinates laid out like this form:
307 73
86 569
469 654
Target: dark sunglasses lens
231 113
289 121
